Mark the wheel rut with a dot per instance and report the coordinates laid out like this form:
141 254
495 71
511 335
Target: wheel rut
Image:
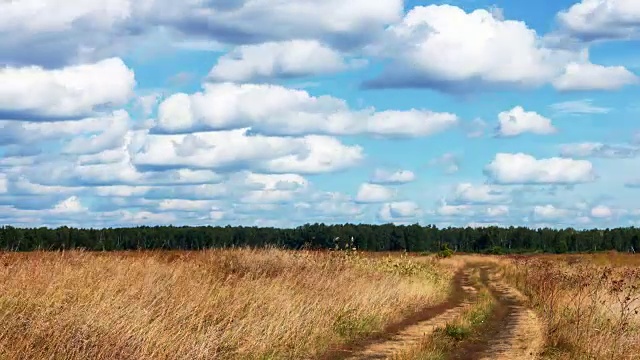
522 336
411 332
514 331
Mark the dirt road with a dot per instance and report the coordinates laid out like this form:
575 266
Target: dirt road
513 332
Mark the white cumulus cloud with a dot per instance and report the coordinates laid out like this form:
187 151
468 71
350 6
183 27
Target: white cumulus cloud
70 205
433 47
601 212
550 212
286 59
467 193
276 110
256 21
372 193
228 150
382 176
497 211
35 93
518 121
448 210
399 211
602 19
588 76
522 168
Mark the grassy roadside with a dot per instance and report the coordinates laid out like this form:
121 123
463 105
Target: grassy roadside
590 309
465 328
223 304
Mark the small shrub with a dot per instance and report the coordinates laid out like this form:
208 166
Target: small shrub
456 331
496 250
445 252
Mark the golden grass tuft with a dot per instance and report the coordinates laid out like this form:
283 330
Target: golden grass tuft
223 304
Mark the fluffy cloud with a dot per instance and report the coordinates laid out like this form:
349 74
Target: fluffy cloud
276 110
234 149
147 103
594 149
432 46
587 76
331 206
270 188
371 193
34 93
601 212
518 121
525 169
238 153
70 205
99 130
497 211
23 186
602 19
286 59
467 193
550 212
385 177
447 210
399 211
57 33
113 135
255 21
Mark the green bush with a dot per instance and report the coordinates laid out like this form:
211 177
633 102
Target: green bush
445 252
457 332
496 250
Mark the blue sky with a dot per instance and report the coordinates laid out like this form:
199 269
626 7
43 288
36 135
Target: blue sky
271 113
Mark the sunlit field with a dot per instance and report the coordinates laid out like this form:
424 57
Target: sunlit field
226 304
590 303
277 304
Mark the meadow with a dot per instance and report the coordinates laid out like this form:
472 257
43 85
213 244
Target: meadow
222 304
590 303
279 304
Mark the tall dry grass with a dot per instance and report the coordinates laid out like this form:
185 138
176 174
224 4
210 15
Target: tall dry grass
226 304
591 310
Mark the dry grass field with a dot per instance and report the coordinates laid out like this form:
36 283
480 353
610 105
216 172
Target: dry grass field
590 303
276 304
226 304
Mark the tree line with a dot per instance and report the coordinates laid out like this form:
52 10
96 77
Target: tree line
387 237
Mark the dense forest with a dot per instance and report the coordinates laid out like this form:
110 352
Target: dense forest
319 236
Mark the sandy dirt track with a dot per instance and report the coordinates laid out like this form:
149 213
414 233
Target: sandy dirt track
514 331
